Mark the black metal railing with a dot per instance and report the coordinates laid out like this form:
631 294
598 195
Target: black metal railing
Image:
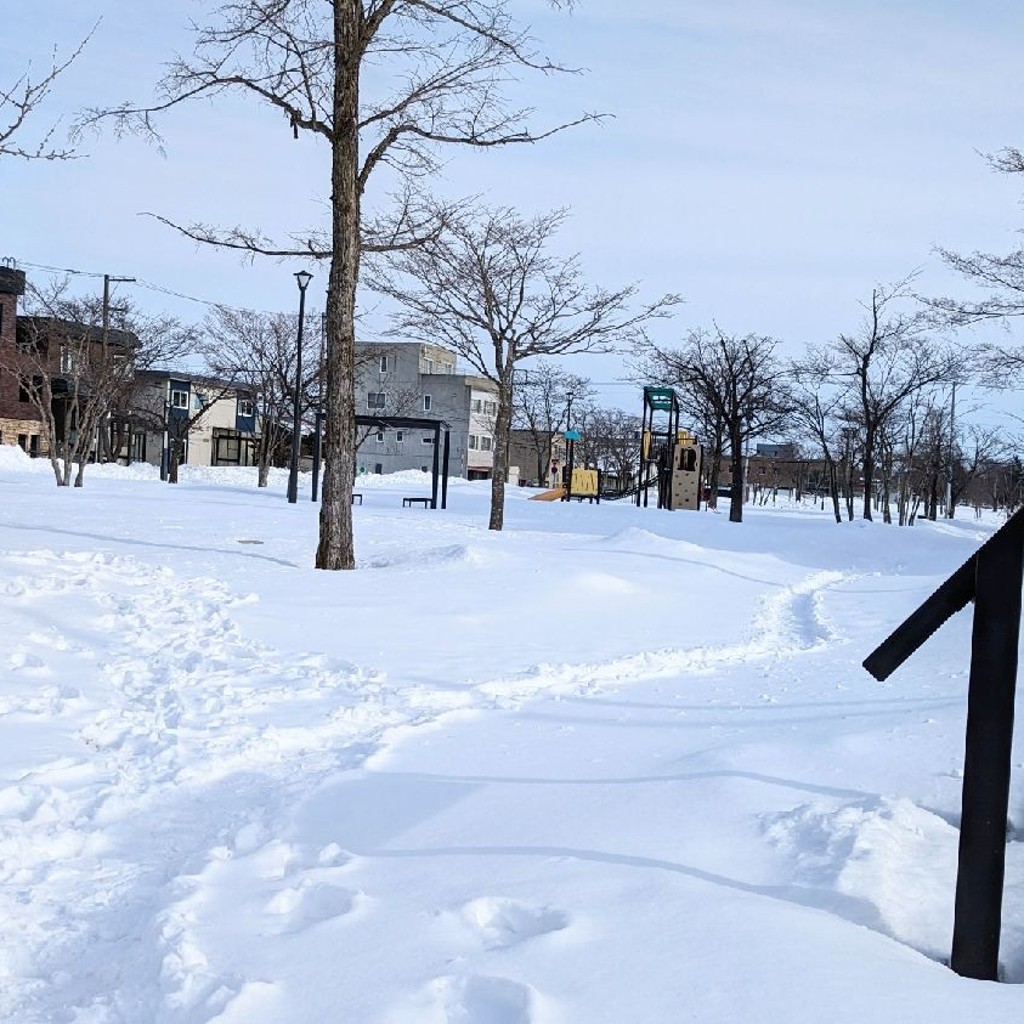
993 578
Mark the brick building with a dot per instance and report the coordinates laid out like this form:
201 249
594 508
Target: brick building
19 422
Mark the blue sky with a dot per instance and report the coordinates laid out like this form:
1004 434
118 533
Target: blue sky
769 161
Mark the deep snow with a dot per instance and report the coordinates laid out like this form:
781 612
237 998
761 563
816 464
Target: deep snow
610 766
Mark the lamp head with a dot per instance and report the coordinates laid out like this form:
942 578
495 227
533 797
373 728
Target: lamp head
302 278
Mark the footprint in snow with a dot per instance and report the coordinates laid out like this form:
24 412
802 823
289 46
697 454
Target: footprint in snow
481 999
31 664
307 904
500 923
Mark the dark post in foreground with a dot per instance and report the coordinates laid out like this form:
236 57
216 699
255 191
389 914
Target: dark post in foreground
302 278
992 578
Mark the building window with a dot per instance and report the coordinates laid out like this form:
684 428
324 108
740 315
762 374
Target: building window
490 408
485 443
474 442
427 403
179 399
476 405
399 436
429 439
428 365
30 392
380 437
378 468
375 399
384 367
449 367
246 407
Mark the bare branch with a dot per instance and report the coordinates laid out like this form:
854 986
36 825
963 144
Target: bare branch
18 102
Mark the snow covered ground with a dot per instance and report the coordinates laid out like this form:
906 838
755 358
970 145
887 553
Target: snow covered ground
610 766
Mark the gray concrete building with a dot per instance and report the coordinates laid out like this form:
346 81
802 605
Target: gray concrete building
410 379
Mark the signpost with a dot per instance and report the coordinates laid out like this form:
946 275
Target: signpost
993 578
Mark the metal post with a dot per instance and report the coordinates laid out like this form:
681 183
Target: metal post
435 466
979 884
302 278
444 468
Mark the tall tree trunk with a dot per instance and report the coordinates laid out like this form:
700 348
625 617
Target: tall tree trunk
336 549
736 490
501 427
833 489
869 472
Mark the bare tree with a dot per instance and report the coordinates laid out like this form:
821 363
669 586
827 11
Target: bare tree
258 350
730 380
817 411
488 289
326 67
891 357
1002 276
21 100
611 441
541 404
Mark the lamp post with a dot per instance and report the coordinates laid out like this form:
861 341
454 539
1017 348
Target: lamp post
302 279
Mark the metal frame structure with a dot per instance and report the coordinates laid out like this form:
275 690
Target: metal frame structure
439 467
657 445
993 578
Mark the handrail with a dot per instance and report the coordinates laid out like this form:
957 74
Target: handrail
993 577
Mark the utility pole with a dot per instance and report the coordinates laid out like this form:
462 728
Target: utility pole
108 279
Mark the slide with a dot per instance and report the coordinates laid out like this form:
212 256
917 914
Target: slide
555 495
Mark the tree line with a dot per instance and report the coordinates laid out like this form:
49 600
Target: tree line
386 86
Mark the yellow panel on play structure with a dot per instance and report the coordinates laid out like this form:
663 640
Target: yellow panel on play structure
685 437
584 483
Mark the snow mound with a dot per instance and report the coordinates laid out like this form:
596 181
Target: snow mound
428 558
894 859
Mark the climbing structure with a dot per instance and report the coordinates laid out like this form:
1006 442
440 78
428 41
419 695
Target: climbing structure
657 444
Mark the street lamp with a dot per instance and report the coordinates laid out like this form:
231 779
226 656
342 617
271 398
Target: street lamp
302 279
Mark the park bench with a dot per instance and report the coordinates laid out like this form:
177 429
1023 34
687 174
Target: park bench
409 502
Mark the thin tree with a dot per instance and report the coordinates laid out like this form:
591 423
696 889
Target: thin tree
729 380
817 406
541 404
612 443
489 289
323 68
892 356
258 350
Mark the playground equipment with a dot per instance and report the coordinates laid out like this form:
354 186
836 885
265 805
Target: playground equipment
577 482
670 458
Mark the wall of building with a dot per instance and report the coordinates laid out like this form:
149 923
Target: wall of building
17 419
152 396
419 381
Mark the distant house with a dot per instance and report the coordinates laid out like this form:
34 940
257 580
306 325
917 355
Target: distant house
540 457
63 366
409 379
215 420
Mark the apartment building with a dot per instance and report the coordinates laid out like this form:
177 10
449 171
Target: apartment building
414 380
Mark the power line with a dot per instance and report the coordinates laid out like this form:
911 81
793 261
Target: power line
150 286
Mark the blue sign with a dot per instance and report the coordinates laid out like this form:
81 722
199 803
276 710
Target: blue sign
572 435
